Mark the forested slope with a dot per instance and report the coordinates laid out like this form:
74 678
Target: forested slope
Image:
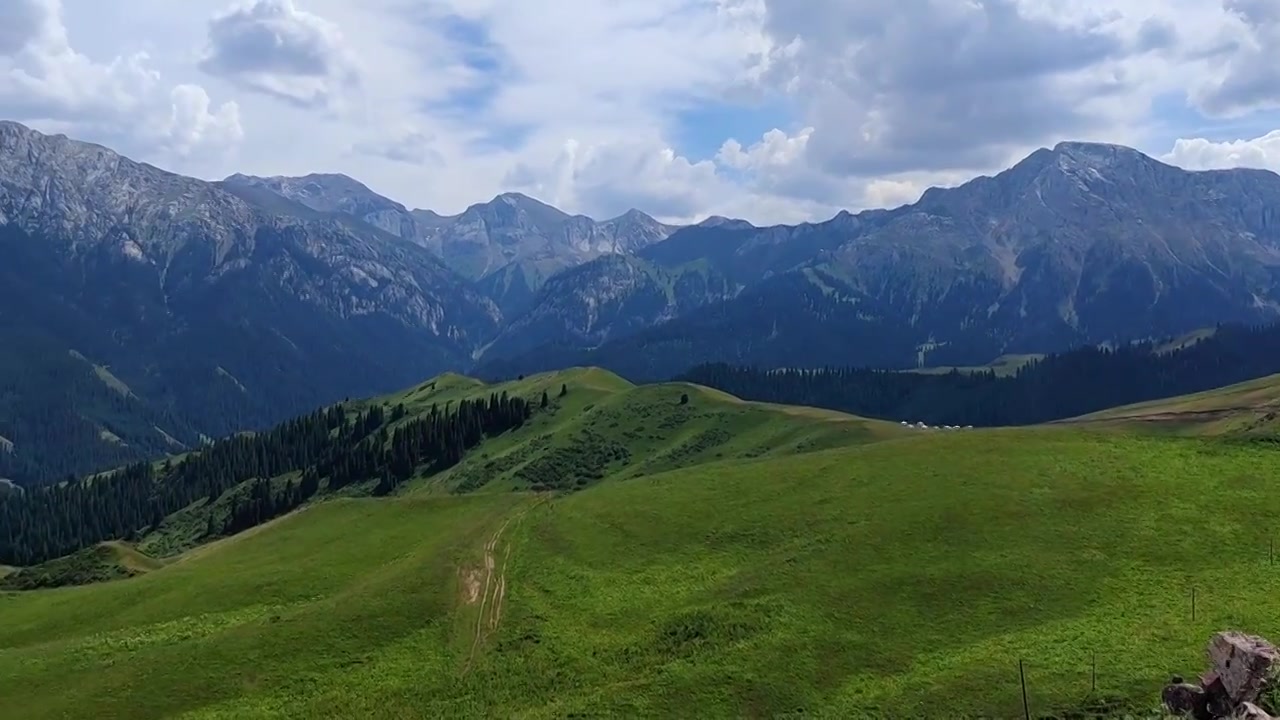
1055 387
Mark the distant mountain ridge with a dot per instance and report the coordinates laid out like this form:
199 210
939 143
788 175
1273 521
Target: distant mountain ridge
509 245
229 305
1080 244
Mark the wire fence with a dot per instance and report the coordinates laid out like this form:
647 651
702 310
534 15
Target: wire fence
1124 676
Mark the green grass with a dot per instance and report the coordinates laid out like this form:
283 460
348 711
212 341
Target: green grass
607 427
314 613
1248 409
1003 366
1187 340
100 563
812 564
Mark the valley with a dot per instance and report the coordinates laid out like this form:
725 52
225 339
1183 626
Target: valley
639 550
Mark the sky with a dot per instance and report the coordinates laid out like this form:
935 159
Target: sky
769 110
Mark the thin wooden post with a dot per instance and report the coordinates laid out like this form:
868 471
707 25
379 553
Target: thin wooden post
1093 673
1271 551
1022 678
1193 604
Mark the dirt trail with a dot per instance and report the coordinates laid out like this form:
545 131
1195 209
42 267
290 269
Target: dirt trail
494 591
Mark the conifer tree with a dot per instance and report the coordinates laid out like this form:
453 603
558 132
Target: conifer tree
47 522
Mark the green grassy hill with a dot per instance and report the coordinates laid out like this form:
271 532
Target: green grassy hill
605 426
100 563
799 563
1247 409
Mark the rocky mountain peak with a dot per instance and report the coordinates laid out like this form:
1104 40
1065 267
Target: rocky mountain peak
1097 153
719 221
86 195
9 127
1063 177
515 208
324 192
634 219
516 199
635 216
511 236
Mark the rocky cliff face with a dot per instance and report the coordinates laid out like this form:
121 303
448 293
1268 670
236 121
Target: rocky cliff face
331 193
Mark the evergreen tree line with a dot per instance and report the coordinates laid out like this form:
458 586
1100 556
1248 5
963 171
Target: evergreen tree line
333 445
1058 386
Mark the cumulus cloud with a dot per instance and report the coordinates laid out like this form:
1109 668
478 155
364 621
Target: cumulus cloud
273 47
659 180
598 107
932 84
194 124
47 82
1201 154
775 149
1249 79
893 97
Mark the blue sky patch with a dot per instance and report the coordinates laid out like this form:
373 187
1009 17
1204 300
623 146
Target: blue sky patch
1175 117
699 130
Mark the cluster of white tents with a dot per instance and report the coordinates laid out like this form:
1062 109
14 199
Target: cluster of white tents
922 426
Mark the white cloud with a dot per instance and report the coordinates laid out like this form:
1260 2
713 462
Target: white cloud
273 47
194 124
587 104
409 146
20 23
931 84
48 83
775 150
1249 78
660 181
1201 154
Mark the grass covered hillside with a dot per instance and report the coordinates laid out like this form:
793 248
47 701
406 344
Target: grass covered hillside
104 561
603 426
1248 409
722 559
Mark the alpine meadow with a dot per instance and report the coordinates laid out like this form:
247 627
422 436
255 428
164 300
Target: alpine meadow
646 550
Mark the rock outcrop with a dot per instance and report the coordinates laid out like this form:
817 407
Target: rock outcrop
1242 667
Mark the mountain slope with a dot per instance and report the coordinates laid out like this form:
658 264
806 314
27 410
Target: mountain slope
222 311
419 439
611 296
1080 244
1248 409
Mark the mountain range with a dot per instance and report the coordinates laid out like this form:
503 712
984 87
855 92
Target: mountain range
508 246
142 312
